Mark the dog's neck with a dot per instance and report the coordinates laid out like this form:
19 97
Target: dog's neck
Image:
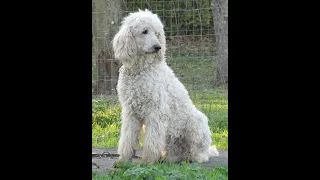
143 63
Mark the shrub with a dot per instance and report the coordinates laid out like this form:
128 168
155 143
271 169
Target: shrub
103 113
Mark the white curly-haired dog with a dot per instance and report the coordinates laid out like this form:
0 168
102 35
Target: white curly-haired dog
151 95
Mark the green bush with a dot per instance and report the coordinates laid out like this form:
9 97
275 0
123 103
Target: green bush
103 113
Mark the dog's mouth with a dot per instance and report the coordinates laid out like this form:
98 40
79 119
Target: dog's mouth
152 52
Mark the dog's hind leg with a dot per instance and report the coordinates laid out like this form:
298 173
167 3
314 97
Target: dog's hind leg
199 139
130 131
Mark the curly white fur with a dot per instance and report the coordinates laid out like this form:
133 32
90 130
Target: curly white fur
151 95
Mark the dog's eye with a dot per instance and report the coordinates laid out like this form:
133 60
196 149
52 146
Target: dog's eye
145 32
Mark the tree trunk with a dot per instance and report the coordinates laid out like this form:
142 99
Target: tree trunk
105 24
220 19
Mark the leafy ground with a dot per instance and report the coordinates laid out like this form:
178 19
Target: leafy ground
166 171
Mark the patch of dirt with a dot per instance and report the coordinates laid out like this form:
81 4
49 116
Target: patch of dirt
103 159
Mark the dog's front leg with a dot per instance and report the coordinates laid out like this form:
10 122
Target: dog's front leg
154 140
130 131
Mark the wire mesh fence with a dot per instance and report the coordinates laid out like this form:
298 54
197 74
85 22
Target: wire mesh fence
197 51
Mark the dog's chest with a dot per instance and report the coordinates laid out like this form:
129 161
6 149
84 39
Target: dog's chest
142 92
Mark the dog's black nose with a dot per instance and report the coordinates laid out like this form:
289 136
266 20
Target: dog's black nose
156 47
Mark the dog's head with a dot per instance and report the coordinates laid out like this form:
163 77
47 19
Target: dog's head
141 33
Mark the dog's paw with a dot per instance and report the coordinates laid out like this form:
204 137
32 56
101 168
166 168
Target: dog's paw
124 158
213 151
137 161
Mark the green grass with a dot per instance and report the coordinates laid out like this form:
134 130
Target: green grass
195 74
164 171
106 137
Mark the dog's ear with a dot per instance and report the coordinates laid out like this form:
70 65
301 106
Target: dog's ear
124 46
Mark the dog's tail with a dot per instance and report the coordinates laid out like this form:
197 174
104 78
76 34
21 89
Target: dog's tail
213 151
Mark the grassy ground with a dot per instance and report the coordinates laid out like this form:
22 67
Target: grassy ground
197 76
166 171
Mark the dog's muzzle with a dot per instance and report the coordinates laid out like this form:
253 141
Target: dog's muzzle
156 48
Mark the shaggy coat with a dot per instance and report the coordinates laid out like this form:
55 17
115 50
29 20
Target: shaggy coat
151 95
